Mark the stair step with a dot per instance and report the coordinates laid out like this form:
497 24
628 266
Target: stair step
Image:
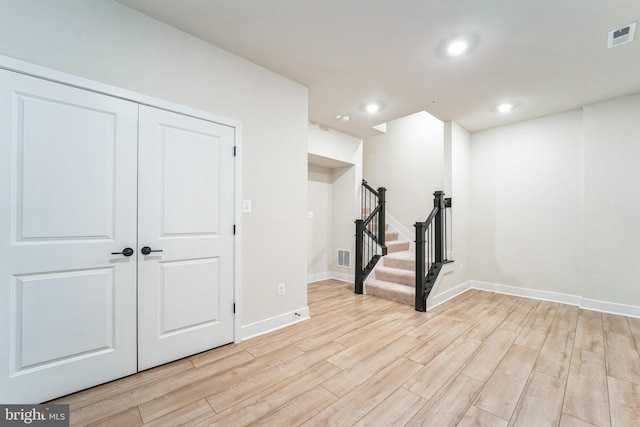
396 275
405 260
397 246
393 291
374 227
390 236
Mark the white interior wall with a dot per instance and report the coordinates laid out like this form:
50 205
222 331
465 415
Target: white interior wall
555 203
527 198
408 161
320 203
457 186
109 43
343 149
343 230
343 154
612 201
513 168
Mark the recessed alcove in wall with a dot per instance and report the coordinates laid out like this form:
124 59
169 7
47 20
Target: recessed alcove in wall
331 200
334 181
327 162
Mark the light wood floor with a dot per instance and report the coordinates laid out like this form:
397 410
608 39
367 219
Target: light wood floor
480 359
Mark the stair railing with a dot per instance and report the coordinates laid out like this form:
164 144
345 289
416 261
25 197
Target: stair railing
432 248
370 233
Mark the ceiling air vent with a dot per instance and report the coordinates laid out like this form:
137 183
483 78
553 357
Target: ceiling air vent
621 35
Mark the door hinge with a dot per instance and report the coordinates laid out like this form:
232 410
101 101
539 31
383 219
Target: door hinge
234 229
234 151
234 308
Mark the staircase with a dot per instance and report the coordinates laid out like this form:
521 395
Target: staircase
399 277
395 277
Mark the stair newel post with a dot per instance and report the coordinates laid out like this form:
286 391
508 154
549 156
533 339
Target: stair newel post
359 254
438 202
382 216
420 303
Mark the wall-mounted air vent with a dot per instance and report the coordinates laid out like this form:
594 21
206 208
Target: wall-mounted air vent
621 35
344 258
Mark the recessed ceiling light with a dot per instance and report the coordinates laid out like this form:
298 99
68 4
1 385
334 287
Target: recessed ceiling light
505 107
343 119
457 47
372 107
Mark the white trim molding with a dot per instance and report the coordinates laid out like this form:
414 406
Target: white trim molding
274 323
329 275
29 69
526 292
587 304
611 307
318 277
435 300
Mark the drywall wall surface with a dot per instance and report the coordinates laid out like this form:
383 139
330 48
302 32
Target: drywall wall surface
319 236
526 204
342 153
110 43
343 230
339 150
333 144
457 174
612 201
408 161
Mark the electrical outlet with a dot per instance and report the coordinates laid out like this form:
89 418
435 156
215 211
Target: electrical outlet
461 267
281 289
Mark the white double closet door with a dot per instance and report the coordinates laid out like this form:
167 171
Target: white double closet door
87 181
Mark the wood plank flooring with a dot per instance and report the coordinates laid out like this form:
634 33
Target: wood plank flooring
481 359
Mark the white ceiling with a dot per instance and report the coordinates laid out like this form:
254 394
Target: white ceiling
546 56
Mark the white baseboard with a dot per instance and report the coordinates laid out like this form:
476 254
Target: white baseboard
610 307
588 304
527 292
273 324
317 277
343 277
435 300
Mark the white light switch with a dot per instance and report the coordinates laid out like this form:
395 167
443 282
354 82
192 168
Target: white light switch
246 206
310 215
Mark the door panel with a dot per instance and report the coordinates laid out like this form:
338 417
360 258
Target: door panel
188 160
186 296
67 201
74 330
44 194
185 292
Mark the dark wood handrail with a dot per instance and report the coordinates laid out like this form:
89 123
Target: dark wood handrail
431 217
370 233
370 188
431 249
